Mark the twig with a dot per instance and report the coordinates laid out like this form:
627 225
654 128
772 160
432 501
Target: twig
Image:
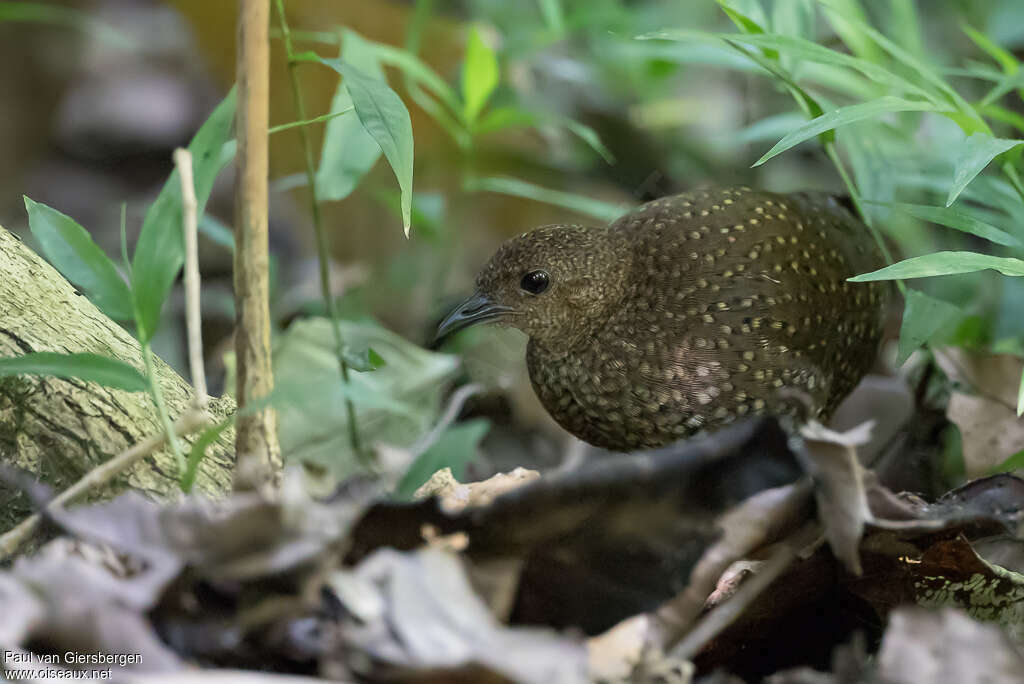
100 475
455 404
193 314
712 624
753 523
259 457
323 254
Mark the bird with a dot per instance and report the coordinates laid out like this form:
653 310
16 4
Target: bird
689 313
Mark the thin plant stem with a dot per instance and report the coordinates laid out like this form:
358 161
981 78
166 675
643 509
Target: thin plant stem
830 150
11 540
193 310
323 256
161 408
280 128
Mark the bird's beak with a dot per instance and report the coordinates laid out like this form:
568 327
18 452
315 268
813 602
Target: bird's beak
475 309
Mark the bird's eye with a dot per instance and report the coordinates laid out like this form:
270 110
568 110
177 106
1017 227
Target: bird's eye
535 282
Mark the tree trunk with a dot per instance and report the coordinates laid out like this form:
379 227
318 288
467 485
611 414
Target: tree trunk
61 429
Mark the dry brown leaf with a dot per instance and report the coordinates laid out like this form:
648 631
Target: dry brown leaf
990 430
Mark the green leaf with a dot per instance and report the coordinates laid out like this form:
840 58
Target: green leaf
395 404
413 67
385 118
160 251
1015 462
748 15
923 316
843 116
348 151
511 117
216 232
812 52
70 249
479 75
90 367
958 219
456 447
198 451
943 263
1005 59
49 13
977 151
588 206
363 360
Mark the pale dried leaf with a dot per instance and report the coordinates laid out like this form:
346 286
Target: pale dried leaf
946 647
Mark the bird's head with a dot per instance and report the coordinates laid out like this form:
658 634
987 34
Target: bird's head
555 283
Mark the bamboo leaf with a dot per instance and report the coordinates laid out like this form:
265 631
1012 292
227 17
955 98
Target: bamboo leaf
160 251
959 220
90 367
843 116
348 151
479 75
978 150
384 116
71 250
923 316
943 263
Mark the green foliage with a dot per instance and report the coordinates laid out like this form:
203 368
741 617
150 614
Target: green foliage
944 263
160 251
479 76
456 447
348 150
394 404
978 150
923 317
384 116
72 251
89 367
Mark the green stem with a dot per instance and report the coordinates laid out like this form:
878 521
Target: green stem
318 228
161 408
295 124
830 150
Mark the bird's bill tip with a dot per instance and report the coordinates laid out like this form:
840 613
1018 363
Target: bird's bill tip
476 308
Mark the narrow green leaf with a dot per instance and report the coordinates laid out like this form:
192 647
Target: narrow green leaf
812 52
843 116
69 247
363 360
554 16
49 13
198 452
216 232
90 367
958 219
977 151
479 75
456 447
348 151
385 118
511 117
748 15
417 70
1015 462
160 251
1005 59
943 263
793 17
578 203
923 316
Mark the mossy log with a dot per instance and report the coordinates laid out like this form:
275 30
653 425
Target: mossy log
60 429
